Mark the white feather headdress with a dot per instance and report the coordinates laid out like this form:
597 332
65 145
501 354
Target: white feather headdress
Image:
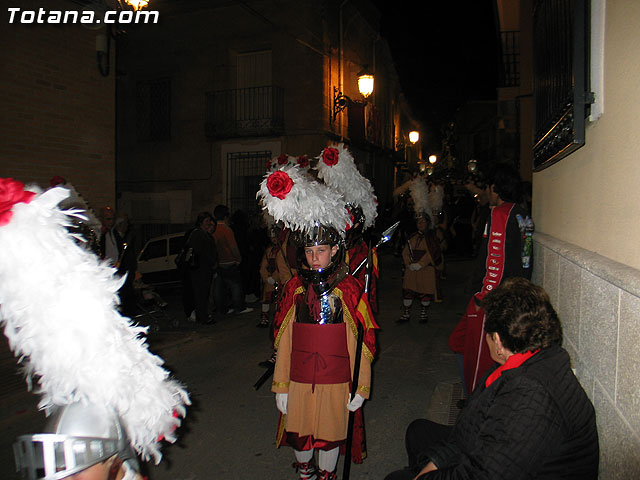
420 195
341 174
301 203
283 160
58 305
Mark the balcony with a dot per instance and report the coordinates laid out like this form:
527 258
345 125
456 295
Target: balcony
245 112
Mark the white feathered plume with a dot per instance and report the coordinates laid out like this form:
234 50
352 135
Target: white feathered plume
420 195
58 304
341 174
301 203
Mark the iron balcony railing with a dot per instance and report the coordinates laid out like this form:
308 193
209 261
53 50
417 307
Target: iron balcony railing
245 112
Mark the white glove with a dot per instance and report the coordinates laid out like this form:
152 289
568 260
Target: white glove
415 267
270 281
281 402
356 403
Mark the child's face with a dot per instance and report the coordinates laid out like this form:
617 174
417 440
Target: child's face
319 256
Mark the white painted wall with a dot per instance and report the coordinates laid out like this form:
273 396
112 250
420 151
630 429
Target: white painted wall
592 198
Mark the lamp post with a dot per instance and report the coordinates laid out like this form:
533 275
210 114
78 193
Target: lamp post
365 87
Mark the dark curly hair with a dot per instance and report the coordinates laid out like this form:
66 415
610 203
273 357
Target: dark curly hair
202 216
522 314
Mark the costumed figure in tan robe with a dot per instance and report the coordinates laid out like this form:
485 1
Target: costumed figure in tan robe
422 258
316 328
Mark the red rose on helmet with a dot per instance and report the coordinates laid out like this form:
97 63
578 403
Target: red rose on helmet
11 192
303 161
279 184
283 159
330 156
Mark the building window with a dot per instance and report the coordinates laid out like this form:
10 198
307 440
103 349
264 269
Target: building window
153 110
245 171
561 79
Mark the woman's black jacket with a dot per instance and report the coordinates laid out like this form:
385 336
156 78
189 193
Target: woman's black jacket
533 422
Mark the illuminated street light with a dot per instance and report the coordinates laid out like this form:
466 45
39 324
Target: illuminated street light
365 84
414 136
433 159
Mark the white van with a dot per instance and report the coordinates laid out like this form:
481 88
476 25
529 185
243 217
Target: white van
156 261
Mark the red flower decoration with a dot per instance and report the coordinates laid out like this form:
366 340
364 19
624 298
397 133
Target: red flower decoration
283 159
303 161
279 184
268 165
330 156
11 192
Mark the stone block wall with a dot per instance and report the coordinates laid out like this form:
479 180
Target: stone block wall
598 301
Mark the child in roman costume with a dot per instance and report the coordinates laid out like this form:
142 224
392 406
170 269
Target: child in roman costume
316 328
422 257
106 395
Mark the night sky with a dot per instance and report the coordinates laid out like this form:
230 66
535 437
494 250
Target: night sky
445 53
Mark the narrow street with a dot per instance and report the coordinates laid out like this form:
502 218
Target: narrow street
229 431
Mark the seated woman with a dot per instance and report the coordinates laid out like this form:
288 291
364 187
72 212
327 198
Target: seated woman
528 417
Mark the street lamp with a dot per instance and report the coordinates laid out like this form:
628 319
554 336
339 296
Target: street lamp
134 4
365 87
433 159
365 84
414 136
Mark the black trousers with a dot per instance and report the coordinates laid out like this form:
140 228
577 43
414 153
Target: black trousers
201 285
421 435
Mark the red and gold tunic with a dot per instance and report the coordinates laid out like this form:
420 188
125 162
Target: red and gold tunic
315 364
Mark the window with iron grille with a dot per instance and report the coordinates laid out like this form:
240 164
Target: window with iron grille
153 110
561 78
245 171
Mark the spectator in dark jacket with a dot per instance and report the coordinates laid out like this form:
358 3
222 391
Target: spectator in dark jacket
528 417
206 255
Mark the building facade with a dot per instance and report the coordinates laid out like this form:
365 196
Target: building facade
584 206
58 114
216 89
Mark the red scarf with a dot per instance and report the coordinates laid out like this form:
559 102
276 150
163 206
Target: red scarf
514 361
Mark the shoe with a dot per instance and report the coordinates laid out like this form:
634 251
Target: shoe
423 315
264 320
192 317
306 470
230 311
246 310
210 321
326 475
406 315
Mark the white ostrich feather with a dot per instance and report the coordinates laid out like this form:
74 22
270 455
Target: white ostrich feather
58 305
76 201
308 204
420 195
345 178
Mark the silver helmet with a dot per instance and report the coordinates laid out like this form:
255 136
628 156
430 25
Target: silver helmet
77 436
